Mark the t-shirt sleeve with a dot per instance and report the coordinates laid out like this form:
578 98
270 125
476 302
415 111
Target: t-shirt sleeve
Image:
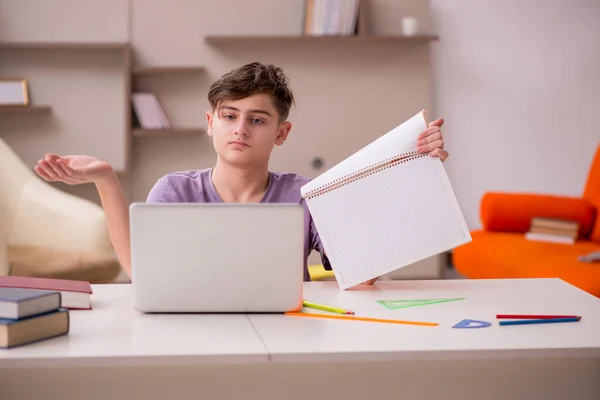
317 245
162 192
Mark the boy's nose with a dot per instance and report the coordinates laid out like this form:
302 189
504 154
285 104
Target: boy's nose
241 129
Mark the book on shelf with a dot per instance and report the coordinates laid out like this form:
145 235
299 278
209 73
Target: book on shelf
330 17
553 230
74 294
385 207
148 112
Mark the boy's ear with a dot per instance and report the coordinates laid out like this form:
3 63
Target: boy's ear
209 122
283 132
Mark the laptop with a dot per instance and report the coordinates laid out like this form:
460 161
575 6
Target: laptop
217 257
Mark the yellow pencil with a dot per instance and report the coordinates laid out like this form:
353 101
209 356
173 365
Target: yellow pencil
344 317
316 306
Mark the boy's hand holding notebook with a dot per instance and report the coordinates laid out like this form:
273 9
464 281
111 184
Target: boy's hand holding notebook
385 207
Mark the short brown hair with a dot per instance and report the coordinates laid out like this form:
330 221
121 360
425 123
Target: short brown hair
251 79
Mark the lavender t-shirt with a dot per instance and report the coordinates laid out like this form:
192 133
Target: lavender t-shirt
197 187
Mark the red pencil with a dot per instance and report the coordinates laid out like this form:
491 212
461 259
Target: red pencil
517 316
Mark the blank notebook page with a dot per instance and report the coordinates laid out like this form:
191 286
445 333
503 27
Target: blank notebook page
388 219
400 140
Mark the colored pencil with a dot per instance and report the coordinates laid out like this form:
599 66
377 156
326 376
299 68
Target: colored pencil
316 306
347 318
539 321
547 316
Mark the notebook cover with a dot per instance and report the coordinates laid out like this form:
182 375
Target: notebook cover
17 295
10 321
27 282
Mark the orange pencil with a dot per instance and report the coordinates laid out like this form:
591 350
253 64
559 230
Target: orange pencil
391 321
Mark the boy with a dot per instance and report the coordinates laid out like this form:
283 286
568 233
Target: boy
248 117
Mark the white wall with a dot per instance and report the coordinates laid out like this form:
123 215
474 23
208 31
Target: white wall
85 88
518 82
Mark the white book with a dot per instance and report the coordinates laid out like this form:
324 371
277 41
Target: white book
150 107
141 104
548 237
385 207
353 19
158 112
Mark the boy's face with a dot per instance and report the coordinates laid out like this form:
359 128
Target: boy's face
245 131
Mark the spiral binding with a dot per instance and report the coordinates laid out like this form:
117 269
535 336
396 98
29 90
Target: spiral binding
360 171
363 173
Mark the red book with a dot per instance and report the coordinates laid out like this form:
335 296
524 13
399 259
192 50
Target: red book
76 295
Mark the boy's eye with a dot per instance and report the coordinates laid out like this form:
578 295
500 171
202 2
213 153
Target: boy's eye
228 116
257 121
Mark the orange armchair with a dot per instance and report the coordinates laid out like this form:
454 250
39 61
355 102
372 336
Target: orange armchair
500 250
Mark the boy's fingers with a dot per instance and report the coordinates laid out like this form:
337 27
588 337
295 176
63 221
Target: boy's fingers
438 122
441 153
429 131
47 170
56 168
431 138
432 147
41 173
67 170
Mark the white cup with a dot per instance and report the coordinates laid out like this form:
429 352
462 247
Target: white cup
410 26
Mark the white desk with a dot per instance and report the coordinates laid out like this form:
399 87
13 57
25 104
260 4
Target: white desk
115 352
114 334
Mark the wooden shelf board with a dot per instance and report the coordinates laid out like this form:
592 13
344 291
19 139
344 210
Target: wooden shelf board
368 39
63 46
138 132
142 71
22 110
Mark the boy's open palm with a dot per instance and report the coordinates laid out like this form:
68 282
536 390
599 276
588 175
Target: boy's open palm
72 170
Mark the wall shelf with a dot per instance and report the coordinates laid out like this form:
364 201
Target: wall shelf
25 110
138 132
290 39
145 71
63 46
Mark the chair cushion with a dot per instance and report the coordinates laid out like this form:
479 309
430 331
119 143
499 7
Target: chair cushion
513 212
509 255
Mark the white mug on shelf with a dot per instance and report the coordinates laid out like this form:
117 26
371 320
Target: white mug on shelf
410 26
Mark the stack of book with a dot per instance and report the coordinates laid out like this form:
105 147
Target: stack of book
330 17
553 230
30 315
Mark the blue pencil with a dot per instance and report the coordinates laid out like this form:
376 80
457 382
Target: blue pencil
539 321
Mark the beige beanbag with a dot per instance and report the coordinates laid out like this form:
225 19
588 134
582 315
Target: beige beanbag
46 262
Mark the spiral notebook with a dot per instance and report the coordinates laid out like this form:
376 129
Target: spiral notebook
385 207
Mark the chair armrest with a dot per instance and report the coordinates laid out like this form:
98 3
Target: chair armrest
512 212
